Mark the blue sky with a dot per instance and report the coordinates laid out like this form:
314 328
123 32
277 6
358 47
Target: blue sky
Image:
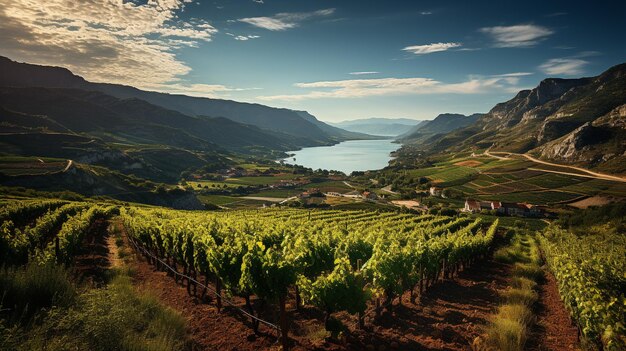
336 59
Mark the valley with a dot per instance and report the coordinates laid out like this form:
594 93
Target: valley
330 176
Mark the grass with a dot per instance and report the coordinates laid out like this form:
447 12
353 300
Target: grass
48 311
25 291
278 193
509 328
112 318
264 180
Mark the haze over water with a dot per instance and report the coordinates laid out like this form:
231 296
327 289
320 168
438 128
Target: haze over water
348 156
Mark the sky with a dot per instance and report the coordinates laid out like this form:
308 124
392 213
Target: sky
339 60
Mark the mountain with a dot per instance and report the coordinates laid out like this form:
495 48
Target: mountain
335 131
577 121
442 124
305 131
379 126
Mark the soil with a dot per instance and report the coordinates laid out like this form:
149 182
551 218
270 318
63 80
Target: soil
469 163
592 201
449 316
554 329
92 263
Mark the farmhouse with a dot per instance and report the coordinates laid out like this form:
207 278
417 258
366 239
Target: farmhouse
503 208
435 191
477 206
368 195
314 192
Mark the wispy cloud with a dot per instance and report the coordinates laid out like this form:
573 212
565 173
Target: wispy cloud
363 73
114 41
522 35
202 90
564 66
360 88
285 20
430 48
243 37
556 14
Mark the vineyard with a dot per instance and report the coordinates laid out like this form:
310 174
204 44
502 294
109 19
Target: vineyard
27 228
591 275
349 266
334 260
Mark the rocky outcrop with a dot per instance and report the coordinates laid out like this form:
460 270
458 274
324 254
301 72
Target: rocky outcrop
592 143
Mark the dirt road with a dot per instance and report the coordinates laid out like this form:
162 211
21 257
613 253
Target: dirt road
588 173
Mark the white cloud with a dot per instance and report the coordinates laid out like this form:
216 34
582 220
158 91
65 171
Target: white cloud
359 88
564 66
246 37
363 73
286 20
430 48
113 41
202 90
426 13
522 35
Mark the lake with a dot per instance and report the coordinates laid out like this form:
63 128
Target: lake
347 156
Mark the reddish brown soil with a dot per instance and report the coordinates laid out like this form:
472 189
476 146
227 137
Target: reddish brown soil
209 329
449 316
91 264
554 329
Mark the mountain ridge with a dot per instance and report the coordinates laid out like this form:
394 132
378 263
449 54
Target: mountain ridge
307 130
555 111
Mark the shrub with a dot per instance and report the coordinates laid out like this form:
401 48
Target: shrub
27 290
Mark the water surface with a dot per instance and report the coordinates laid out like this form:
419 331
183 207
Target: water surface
347 156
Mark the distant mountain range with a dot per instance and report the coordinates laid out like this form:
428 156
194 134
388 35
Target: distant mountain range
49 111
287 128
379 126
577 121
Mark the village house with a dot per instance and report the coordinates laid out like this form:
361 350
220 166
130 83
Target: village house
435 191
313 192
477 206
503 208
368 195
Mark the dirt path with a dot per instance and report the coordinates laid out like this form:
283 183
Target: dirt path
349 185
554 330
592 173
69 165
588 173
92 261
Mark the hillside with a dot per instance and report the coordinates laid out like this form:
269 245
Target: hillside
541 120
304 131
442 124
379 126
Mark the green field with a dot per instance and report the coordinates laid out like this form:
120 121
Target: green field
213 184
17 166
263 180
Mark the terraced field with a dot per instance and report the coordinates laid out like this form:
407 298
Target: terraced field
518 180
